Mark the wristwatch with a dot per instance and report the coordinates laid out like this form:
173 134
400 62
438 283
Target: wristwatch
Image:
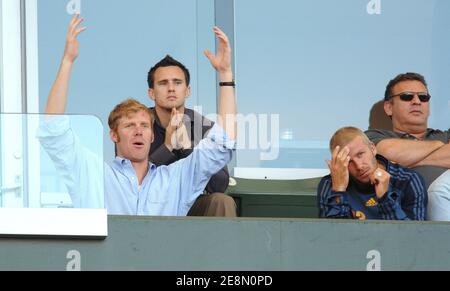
227 84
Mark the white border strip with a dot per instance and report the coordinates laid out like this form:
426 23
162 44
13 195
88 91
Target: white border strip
54 222
11 58
32 56
32 71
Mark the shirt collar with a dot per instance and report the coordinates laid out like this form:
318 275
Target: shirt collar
431 131
428 133
120 161
123 162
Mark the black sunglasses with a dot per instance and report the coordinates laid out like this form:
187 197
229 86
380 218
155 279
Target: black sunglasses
408 96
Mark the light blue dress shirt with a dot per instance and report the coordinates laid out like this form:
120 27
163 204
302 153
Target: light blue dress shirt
165 191
439 198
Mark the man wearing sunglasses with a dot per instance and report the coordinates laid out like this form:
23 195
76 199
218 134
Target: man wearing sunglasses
411 143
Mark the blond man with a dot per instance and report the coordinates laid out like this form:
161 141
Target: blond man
363 185
132 185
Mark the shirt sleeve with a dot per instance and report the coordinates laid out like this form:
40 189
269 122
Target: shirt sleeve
377 135
162 156
211 155
413 206
332 204
439 198
416 202
389 207
219 181
80 169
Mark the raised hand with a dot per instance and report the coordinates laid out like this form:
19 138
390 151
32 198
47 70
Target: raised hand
72 45
57 99
222 60
227 101
176 133
339 168
380 179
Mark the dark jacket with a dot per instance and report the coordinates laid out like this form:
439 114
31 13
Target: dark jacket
406 198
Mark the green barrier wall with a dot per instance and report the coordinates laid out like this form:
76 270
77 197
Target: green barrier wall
276 198
144 243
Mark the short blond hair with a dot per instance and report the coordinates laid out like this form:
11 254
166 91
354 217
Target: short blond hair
345 135
126 108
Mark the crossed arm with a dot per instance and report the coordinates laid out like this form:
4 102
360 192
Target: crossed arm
413 153
440 158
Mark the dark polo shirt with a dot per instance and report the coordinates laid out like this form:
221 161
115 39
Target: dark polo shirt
429 173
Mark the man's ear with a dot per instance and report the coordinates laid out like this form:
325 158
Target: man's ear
188 91
151 94
152 138
113 135
388 107
373 148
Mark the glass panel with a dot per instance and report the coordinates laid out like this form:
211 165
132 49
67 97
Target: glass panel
1 56
1 93
70 150
322 64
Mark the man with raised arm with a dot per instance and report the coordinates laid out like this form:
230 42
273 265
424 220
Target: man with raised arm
169 87
133 185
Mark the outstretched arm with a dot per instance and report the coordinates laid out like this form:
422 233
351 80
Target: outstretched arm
227 102
216 150
79 169
57 99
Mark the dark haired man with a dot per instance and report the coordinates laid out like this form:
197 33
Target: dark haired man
411 143
169 86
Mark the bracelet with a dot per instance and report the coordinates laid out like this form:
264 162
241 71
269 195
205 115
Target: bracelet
228 84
